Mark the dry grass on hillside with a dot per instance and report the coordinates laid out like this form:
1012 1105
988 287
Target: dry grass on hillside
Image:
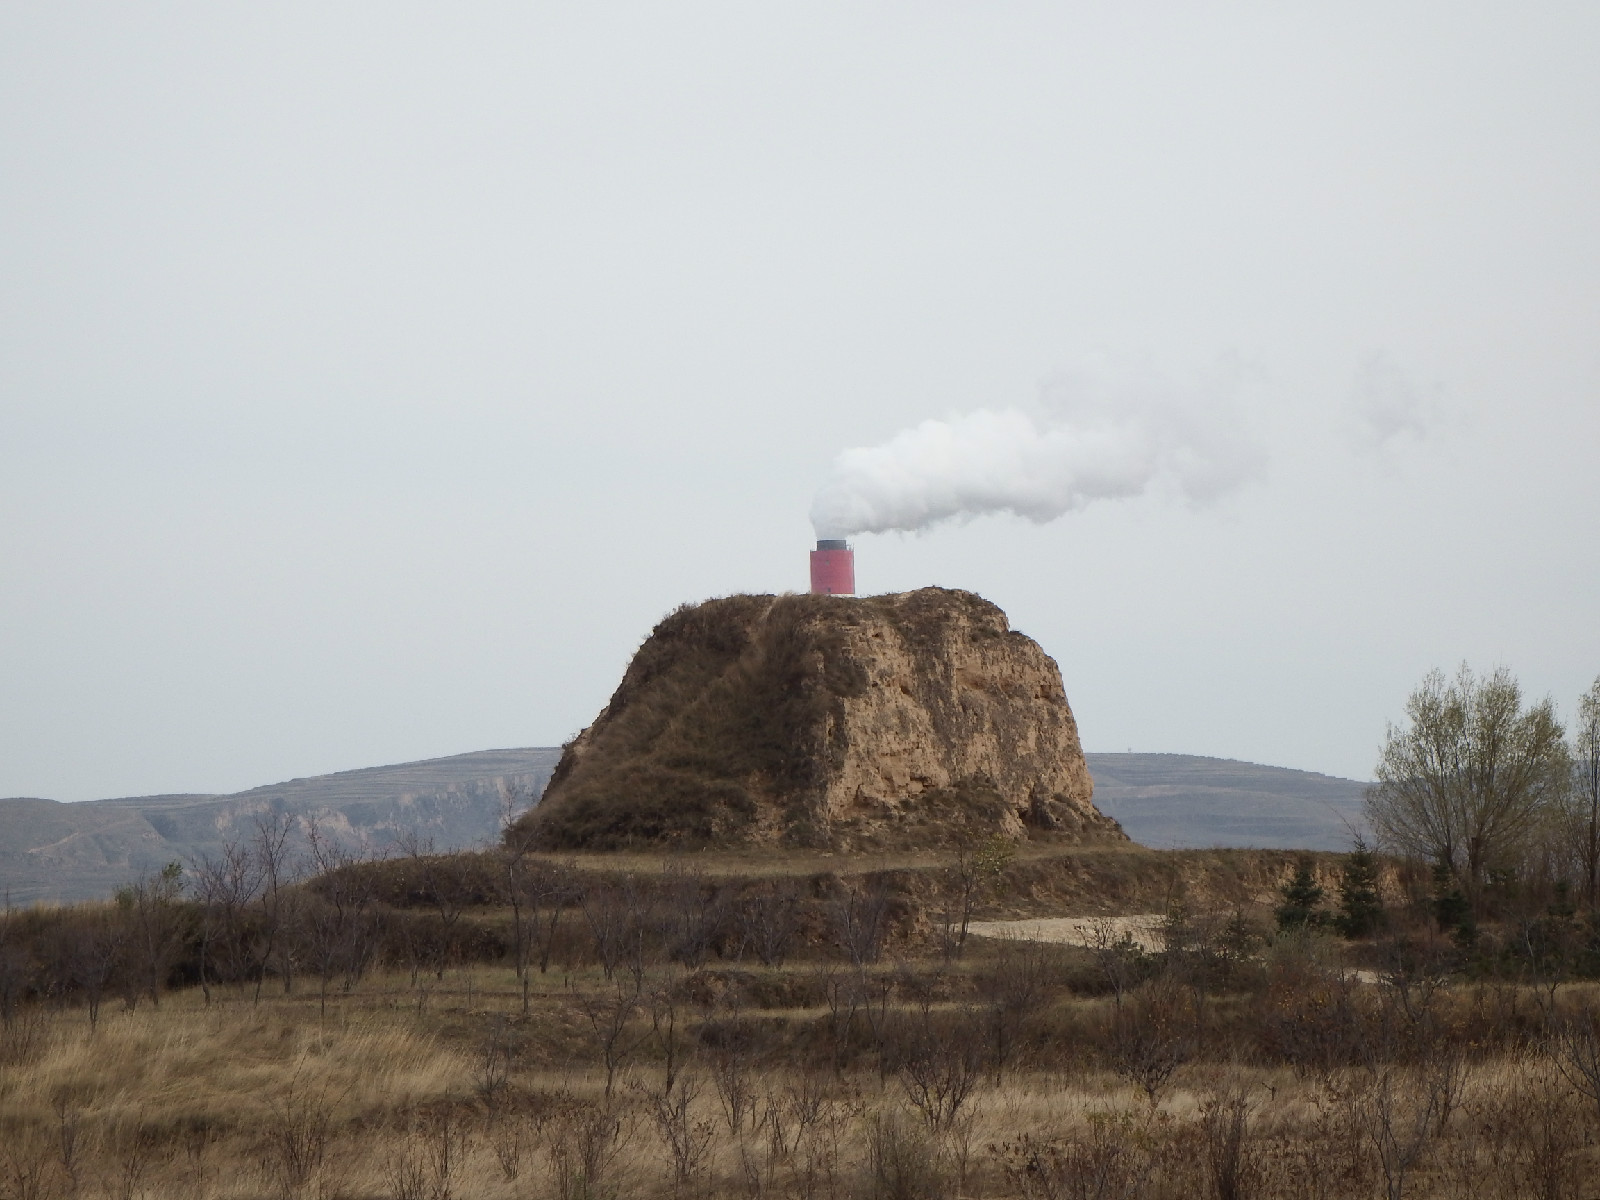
443 1089
700 1036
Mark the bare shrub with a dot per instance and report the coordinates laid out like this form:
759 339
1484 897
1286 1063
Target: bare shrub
618 918
586 1140
1548 1132
69 1138
492 1073
296 1133
844 994
1150 1038
1575 1049
767 921
511 1139
610 1015
819 1152
1121 960
1409 1109
136 1148
792 1120
727 1052
430 1158
27 1168
860 920
1414 968
1019 983
276 899
445 883
663 1003
979 865
24 1038
335 931
902 1161
1225 1126
688 1141
1310 1016
92 960
16 966
695 916
939 1067
153 918
1109 1159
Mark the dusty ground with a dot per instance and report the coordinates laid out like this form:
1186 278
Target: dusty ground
1143 928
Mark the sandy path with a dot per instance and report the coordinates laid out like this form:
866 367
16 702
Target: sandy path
1143 928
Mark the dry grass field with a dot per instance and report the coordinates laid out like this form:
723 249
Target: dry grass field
871 1054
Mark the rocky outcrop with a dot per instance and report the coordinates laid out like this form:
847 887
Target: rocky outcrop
855 723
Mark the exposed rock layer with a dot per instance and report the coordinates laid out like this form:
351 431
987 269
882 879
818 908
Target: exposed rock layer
827 721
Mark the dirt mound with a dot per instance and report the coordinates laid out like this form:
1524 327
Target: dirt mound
827 721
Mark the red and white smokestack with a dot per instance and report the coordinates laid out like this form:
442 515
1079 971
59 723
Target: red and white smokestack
833 568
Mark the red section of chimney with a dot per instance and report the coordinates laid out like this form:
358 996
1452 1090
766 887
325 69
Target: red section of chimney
833 569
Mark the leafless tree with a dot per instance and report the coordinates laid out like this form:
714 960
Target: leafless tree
335 927
225 888
93 956
940 1065
1586 790
610 1014
441 881
971 873
768 920
687 1140
1409 1109
154 922
15 965
860 917
844 994
619 917
695 915
1575 1047
1021 980
1121 960
663 1004
276 859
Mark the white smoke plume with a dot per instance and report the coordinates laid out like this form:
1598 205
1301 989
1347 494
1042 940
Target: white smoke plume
1084 441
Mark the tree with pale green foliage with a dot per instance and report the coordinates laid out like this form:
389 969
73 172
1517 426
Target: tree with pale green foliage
1471 776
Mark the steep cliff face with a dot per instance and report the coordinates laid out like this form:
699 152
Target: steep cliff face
855 723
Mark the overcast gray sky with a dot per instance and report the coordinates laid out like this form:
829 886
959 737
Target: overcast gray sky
373 377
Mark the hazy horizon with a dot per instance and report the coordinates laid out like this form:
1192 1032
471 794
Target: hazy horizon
1091 753
373 379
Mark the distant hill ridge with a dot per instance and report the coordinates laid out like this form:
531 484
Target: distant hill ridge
1171 801
61 852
